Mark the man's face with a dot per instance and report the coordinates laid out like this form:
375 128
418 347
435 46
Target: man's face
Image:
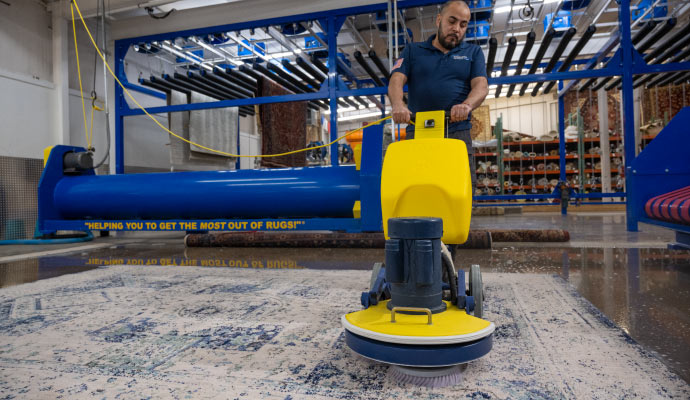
452 25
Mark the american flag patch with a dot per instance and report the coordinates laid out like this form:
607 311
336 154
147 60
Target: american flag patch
398 63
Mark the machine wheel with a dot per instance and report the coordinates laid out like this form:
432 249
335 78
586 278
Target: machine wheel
477 290
374 274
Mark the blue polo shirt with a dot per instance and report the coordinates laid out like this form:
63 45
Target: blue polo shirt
437 81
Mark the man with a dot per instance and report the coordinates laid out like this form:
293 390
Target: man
443 73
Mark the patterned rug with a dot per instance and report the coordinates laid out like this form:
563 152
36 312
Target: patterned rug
189 332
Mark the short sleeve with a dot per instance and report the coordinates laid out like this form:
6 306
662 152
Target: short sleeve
478 64
402 64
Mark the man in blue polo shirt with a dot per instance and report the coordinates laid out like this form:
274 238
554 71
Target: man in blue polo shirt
443 73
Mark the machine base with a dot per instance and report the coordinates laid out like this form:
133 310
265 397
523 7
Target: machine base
416 355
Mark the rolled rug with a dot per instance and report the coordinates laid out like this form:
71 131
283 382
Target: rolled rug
532 154
540 167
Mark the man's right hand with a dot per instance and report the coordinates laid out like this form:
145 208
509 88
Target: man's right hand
401 114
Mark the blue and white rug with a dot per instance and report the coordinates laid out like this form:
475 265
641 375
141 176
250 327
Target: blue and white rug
188 332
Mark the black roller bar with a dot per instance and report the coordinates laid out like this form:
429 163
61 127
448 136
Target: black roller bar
377 61
493 46
317 74
674 43
351 103
545 42
152 85
529 42
180 82
367 68
565 40
664 51
238 78
177 79
361 101
278 79
195 82
656 37
573 53
296 82
194 78
662 79
306 78
512 42
227 84
318 64
644 31
218 84
641 34
682 78
169 85
644 46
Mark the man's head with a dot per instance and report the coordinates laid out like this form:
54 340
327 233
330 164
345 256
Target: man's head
452 23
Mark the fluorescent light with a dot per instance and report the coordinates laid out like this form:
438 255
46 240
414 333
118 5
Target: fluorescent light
359 116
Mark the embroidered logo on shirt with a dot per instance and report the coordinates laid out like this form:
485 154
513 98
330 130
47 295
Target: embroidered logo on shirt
461 58
398 63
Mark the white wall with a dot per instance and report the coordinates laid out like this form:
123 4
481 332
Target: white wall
529 115
25 80
25 122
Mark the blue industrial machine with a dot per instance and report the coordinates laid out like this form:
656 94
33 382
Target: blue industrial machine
72 197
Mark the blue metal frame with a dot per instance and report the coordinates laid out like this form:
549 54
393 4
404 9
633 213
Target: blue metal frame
627 63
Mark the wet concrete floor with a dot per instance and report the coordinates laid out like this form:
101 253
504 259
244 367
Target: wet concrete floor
631 278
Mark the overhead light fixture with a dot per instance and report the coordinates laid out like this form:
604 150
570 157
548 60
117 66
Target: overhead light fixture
359 116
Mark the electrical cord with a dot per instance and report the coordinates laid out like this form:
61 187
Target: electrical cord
154 16
74 5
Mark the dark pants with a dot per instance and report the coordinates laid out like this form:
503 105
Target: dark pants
466 137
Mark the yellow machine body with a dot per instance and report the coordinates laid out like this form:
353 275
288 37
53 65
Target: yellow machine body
428 177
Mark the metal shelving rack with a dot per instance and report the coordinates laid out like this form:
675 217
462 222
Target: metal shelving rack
626 62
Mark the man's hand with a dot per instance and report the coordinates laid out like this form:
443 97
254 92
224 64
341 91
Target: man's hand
401 114
460 112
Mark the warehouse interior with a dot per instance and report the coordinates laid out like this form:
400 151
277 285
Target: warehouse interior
209 199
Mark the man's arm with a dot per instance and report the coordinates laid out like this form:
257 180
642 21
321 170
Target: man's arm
401 114
480 88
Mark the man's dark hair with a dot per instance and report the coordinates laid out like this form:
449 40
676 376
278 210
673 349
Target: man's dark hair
447 3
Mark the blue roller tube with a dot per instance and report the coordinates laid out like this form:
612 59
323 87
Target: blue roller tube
270 193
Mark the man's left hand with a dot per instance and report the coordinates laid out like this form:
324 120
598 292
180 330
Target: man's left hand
460 112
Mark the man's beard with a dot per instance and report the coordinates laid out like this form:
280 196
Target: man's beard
445 43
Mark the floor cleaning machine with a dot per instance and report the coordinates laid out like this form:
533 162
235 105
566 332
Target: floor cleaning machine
419 315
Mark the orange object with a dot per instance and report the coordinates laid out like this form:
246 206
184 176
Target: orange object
356 137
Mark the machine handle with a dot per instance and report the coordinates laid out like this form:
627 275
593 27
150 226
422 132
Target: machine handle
413 309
